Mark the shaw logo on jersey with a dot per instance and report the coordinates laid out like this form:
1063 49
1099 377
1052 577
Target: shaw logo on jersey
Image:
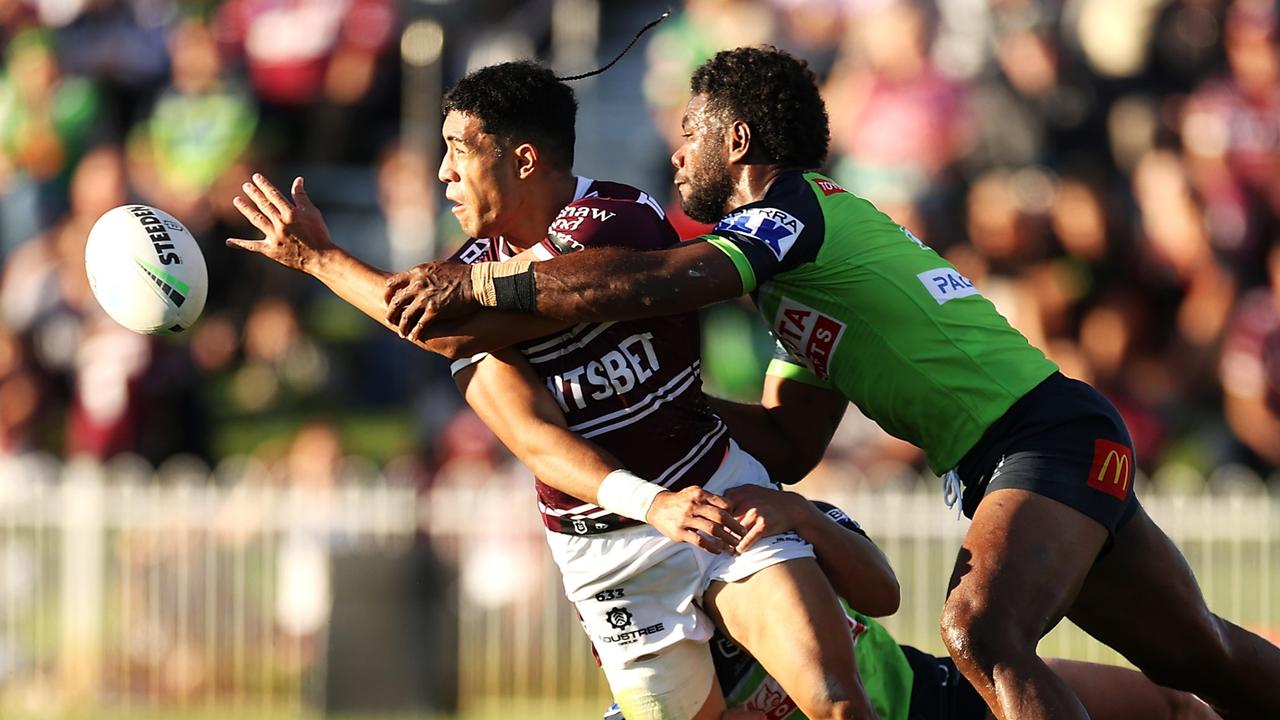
616 372
808 335
776 228
946 284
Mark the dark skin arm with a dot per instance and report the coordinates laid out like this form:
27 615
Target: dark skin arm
788 432
859 572
597 284
296 236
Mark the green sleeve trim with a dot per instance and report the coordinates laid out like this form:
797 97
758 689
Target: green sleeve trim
740 261
798 373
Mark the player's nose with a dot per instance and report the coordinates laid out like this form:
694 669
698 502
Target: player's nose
446 173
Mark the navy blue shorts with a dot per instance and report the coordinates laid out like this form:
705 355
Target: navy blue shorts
1063 440
939 691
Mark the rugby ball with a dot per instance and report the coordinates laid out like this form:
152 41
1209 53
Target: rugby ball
146 270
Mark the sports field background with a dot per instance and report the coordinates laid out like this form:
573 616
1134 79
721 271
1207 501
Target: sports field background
287 512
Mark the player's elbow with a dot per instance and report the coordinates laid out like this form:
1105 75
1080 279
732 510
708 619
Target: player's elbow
885 597
800 461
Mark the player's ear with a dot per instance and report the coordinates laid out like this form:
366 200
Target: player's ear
526 158
738 138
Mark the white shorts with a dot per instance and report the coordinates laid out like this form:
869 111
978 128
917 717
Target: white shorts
636 591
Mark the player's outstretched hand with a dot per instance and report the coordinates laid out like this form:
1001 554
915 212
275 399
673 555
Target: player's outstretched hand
428 292
764 511
697 517
295 233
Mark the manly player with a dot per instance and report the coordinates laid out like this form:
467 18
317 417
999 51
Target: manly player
865 312
633 388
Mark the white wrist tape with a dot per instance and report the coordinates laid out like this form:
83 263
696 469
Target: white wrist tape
627 495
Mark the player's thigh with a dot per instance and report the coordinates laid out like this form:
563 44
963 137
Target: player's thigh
1023 559
787 616
1109 692
1142 599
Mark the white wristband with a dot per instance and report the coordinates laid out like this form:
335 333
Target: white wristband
627 495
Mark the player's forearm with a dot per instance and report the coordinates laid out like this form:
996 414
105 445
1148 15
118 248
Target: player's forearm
486 331
753 428
859 572
616 284
358 283
508 397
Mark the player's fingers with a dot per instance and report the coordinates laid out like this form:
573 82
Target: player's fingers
253 215
300 196
254 246
272 193
709 498
410 316
402 296
398 280
261 202
717 531
710 544
419 329
721 516
757 530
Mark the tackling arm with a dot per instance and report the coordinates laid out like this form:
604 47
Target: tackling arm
598 284
788 432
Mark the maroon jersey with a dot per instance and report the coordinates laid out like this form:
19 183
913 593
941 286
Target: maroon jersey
634 387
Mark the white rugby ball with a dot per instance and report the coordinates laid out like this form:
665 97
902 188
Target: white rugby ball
146 270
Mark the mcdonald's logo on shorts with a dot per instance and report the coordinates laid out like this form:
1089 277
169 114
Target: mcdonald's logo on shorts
1112 470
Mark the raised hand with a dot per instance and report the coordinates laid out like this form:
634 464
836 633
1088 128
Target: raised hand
428 292
295 233
697 517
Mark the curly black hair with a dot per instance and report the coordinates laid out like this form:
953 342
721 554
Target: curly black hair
776 94
519 102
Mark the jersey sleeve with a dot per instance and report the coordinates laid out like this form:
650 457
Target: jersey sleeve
601 222
766 239
784 366
473 251
841 517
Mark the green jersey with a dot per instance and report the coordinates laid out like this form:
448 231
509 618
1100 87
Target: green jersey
859 304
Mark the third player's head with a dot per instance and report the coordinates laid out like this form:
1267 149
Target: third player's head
750 106
507 128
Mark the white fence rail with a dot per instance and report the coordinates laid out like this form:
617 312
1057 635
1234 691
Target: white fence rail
119 592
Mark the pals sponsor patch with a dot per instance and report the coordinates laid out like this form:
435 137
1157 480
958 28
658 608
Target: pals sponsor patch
808 335
1112 469
777 229
946 284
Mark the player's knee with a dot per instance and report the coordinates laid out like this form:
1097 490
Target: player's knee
673 684
978 636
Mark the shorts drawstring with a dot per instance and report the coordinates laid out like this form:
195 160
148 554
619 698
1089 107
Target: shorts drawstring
952 491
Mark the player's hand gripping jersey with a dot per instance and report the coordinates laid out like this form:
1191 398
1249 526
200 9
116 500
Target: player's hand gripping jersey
858 303
634 388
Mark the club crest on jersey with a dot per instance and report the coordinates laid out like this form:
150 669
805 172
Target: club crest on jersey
776 228
946 284
618 617
808 335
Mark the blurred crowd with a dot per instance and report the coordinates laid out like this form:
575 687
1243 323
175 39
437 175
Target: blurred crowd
1108 172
